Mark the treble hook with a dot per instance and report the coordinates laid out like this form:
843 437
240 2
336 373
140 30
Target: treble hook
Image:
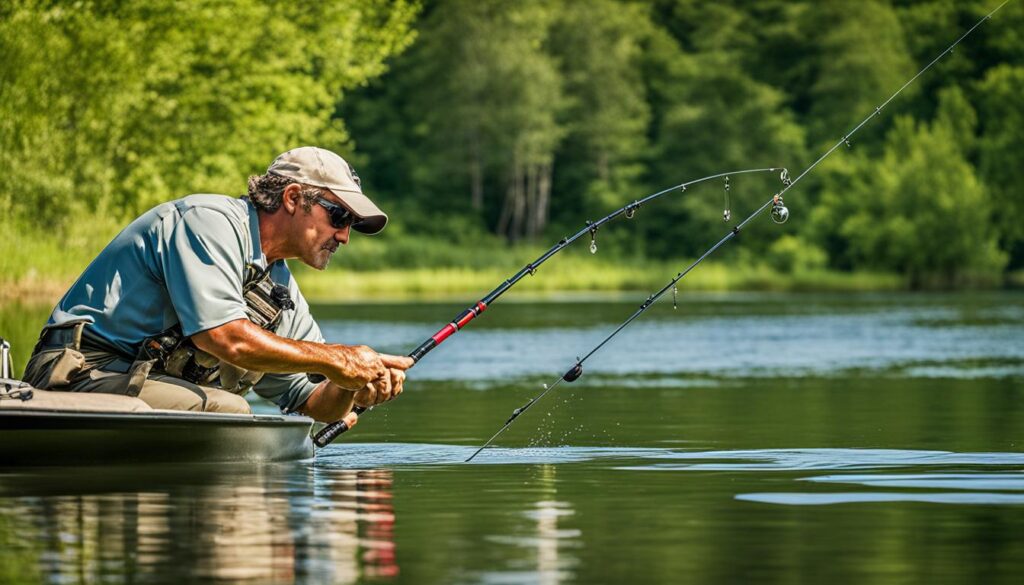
593 238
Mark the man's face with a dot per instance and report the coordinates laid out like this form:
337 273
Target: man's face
316 239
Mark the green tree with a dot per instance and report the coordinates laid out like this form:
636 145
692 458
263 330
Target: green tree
475 103
712 116
599 48
920 209
138 102
1001 152
859 59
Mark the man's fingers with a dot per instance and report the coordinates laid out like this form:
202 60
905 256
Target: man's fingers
384 387
397 379
351 419
367 396
400 362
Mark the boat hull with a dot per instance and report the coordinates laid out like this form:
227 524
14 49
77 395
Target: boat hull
42 427
41 438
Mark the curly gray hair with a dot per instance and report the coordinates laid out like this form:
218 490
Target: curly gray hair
267 191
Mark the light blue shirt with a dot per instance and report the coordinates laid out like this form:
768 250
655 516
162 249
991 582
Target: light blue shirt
184 262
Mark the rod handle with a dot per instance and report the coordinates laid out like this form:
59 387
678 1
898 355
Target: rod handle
336 429
328 434
422 350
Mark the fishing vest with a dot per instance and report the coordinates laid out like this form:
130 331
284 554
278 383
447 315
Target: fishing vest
176 355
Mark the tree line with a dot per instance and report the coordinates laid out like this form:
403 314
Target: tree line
481 121
522 119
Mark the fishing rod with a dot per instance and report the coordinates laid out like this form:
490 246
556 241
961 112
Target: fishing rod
779 214
335 429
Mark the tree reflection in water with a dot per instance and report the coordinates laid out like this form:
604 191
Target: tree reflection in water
273 523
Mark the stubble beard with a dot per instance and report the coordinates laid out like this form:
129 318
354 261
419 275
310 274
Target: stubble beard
323 257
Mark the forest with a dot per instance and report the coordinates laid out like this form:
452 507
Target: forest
488 130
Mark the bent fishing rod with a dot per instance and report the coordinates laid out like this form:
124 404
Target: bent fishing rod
779 214
333 430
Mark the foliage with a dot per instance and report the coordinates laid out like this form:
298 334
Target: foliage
923 211
1001 145
477 124
139 102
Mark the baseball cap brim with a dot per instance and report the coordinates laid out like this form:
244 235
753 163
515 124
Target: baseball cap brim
369 218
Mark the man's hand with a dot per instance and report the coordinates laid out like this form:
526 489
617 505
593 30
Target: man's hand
354 366
330 402
358 366
389 385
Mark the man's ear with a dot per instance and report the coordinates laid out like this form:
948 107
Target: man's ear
291 198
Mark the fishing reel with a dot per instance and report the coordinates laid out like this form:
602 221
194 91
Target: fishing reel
780 213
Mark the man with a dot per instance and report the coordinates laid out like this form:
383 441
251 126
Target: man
193 301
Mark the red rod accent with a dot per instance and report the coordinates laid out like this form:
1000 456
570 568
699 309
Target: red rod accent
482 306
444 333
462 322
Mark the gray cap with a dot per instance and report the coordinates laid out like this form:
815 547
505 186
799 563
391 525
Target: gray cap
322 168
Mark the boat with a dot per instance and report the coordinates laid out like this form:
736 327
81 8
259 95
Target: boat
48 428
41 427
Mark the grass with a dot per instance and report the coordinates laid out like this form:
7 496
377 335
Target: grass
650 277
36 267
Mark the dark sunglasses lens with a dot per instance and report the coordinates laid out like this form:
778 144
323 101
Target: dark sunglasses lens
340 218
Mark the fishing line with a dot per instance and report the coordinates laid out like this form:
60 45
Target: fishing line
335 429
779 214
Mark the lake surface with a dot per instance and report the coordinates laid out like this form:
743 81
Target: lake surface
736 439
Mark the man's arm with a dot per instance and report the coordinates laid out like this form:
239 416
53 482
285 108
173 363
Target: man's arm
246 345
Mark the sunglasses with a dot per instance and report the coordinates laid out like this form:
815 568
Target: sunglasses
340 217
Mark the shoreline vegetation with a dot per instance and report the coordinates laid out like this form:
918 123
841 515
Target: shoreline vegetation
36 271
566 112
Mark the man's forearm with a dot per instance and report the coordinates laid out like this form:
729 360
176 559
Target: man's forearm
251 347
246 345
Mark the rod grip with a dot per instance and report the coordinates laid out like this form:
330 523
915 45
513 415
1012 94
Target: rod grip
334 430
328 434
423 349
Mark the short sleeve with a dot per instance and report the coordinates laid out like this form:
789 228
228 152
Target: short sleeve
203 266
290 391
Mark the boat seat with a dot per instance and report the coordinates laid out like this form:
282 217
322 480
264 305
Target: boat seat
65 401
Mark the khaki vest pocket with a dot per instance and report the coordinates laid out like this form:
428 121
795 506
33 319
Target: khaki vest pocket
55 368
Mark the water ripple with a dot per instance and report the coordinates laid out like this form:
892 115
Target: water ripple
809 459
960 481
799 499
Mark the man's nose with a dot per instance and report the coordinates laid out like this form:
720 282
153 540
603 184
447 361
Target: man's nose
342 235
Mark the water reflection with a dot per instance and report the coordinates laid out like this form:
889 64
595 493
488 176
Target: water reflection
353 524
254 525
545 539
551 567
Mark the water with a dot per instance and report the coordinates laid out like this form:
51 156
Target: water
744 438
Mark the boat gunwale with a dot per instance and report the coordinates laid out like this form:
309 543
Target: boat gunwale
164 415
